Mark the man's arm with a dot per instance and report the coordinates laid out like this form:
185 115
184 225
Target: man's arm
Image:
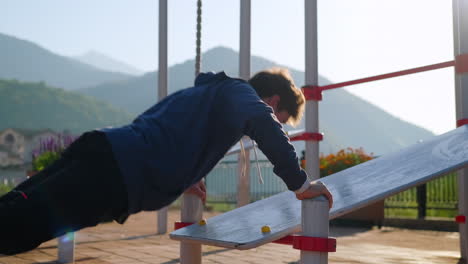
274 142
259 123
314 189
198 189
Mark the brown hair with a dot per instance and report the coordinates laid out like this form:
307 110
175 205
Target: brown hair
278 81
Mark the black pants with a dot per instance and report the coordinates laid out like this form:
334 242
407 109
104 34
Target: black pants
81 189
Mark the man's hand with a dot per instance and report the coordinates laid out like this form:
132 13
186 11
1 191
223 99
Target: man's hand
316 189
198 189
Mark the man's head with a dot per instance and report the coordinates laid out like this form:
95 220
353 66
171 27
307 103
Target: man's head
276 88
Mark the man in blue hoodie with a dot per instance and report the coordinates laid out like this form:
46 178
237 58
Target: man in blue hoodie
146 165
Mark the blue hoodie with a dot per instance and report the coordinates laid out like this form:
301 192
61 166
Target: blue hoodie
176 142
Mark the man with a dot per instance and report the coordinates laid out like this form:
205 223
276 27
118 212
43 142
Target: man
146 165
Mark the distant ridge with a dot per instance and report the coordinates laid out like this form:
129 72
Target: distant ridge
25 61
106 63
37 106
345 119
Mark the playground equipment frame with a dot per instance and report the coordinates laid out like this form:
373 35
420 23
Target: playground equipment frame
313 95
191 253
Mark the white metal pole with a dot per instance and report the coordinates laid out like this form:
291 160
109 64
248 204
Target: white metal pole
162 88
460 25
315 213
243 186
311 78
192 212
244 53
162 220
66 248
162 54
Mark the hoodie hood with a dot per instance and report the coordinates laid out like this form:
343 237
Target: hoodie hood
204 78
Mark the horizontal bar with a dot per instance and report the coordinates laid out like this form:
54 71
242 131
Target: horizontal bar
461 64
318 244
462 122
390 75
179 225
312 92
308 137
461 219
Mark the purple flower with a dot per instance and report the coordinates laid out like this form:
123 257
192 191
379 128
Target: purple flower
56 143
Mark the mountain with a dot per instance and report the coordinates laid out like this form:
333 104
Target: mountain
137 94
349 121
25 61
104 62
345 119
37 106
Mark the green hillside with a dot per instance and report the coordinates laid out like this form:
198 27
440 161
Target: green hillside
25 61
36 106
345 119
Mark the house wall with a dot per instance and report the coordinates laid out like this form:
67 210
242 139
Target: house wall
13 141
16 148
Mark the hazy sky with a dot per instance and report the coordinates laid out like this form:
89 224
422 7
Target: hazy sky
357 38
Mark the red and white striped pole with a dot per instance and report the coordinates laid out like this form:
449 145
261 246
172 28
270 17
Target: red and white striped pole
314 212
311 80
460 34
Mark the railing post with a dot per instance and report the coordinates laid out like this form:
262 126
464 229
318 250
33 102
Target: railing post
192 211
421 198
315 214
66 248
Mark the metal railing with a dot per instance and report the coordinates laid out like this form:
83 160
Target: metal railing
439 194
222 182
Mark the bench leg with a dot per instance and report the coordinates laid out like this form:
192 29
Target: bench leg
315 223
66 248
192 210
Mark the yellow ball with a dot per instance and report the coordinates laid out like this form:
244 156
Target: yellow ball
266 229
202 222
